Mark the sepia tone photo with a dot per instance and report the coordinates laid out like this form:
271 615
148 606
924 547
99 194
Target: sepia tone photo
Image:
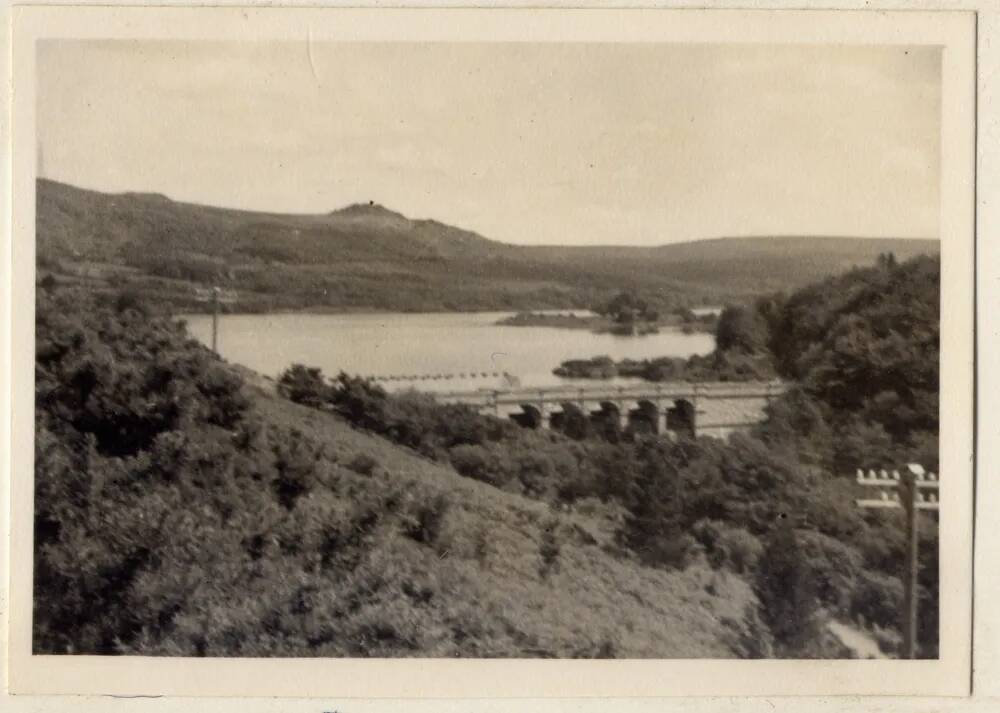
488 350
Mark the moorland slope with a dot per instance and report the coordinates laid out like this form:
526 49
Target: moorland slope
367 257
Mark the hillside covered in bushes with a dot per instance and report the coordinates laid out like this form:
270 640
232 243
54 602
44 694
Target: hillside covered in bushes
184 508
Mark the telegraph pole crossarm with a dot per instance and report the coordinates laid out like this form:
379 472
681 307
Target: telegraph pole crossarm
913 490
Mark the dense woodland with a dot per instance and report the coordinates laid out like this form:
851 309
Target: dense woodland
183 508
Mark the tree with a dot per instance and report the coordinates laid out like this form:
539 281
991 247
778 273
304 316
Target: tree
627 307
654 526
887 261
787 590
741 329
866 345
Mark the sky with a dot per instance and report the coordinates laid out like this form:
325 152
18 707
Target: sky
558 143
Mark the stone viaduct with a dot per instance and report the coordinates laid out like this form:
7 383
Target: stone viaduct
708 408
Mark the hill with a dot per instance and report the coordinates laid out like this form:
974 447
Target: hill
211 517
368 257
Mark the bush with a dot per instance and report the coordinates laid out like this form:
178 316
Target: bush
787 591
549 548
225 403
411 419
475 462
359 401
728 547
248 434
428 520
295 464
834 568
536 472
129 299
124 378
304 385
877 599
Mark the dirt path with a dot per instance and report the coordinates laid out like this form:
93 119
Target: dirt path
863 645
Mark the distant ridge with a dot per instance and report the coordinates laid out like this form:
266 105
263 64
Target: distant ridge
368 256
748 240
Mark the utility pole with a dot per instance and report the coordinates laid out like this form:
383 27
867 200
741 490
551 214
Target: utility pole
913 490
215 319
216 296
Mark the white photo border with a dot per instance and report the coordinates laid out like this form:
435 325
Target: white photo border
405 678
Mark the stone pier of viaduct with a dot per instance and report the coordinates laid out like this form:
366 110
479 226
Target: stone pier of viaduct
708 408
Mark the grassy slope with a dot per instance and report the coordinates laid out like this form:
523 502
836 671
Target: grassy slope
493 600
370 257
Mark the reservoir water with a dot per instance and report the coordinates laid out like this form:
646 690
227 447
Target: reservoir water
432 352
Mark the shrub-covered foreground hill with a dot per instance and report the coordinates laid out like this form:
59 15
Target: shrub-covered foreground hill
181 510
184 508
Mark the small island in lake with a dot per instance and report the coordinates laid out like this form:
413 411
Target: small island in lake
740 355
626 314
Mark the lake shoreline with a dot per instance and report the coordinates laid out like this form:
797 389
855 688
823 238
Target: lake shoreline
323 311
